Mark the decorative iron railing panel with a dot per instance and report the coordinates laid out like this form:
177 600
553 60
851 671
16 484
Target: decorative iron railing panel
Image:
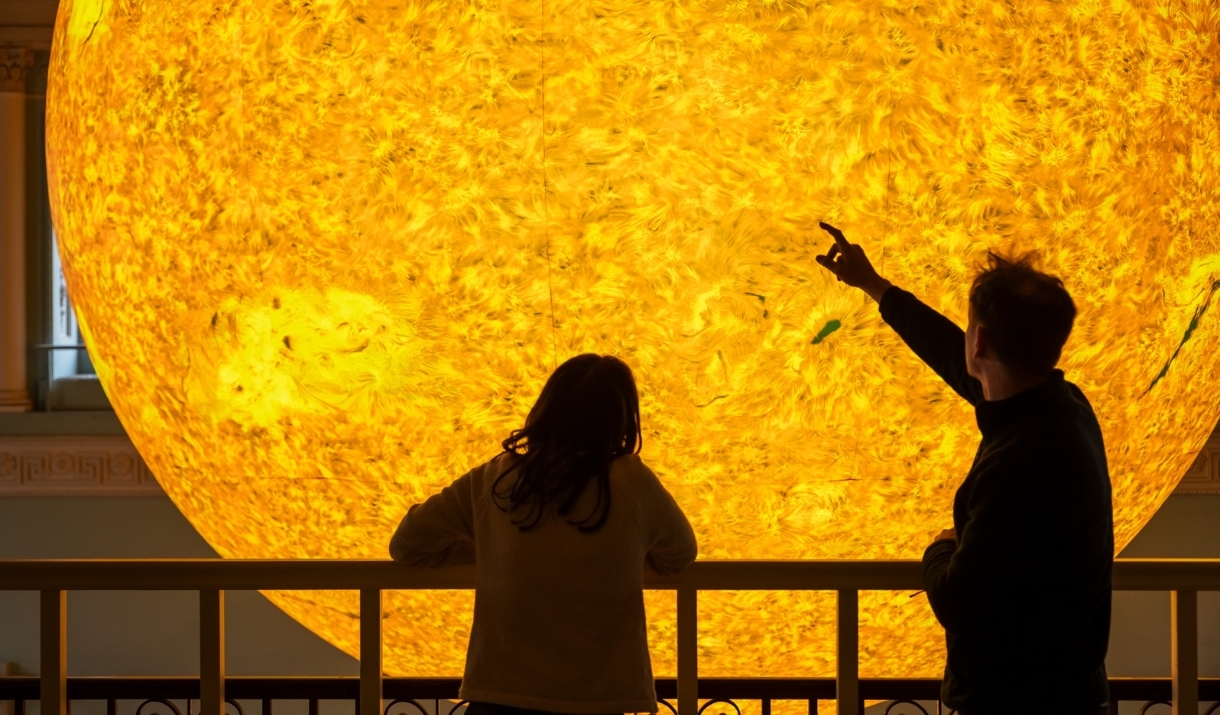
416 691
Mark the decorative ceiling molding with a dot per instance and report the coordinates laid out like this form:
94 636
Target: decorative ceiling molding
15 64
43 466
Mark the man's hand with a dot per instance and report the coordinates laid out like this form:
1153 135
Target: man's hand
946 535
851 266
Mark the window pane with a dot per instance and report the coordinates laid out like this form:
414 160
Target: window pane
64 329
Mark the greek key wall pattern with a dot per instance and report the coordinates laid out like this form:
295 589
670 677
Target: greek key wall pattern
73 466
1203 477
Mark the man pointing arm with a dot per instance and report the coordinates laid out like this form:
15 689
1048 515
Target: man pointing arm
1021 583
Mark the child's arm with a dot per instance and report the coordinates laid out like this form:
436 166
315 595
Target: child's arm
441 530
673 546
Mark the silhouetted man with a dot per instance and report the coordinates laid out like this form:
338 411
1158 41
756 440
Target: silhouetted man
1021 583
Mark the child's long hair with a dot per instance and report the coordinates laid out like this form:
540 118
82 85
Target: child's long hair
587 416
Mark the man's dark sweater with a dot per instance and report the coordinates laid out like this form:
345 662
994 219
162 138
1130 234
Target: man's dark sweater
1024 592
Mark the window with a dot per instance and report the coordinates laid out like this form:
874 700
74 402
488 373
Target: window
73 381
67 360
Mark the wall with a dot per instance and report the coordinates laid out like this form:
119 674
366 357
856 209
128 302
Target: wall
1185 527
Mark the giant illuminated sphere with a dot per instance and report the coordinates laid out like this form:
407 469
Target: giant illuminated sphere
325 252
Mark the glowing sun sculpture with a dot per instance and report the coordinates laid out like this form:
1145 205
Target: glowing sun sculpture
325 253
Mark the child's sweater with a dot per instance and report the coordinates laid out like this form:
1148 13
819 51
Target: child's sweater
559 614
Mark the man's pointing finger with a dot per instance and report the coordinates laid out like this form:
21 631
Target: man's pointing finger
840 239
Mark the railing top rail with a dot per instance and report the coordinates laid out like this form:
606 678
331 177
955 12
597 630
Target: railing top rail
711 575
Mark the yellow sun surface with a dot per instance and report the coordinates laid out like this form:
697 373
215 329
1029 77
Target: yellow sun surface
325 253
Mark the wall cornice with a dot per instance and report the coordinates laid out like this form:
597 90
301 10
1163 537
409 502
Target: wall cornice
27 23
76 423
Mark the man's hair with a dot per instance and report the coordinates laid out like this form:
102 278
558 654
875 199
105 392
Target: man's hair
1028 314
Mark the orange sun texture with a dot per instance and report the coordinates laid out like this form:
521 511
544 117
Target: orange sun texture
325 253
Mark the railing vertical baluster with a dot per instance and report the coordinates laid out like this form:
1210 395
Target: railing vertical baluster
54 655
211 652
688 651
813 706
847 682
370 652
1184 607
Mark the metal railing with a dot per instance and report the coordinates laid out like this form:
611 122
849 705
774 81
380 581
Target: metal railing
1183 578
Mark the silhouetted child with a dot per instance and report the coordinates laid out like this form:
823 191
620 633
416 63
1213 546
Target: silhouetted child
560 526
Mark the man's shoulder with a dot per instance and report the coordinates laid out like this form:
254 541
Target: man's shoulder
1079 402
1044 451
1074 427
